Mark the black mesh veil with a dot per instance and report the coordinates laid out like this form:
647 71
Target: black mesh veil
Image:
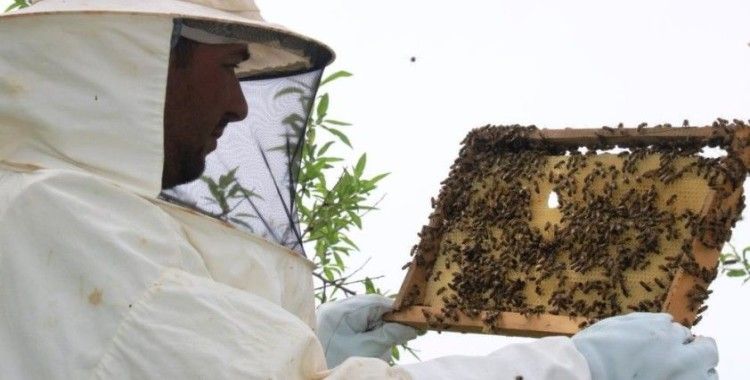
250 179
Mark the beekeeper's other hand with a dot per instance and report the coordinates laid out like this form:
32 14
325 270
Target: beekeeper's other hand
355 327
646 346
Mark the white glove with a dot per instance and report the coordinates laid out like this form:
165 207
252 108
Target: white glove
354 327
646 346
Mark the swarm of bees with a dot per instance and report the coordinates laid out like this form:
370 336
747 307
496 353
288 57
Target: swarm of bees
625 224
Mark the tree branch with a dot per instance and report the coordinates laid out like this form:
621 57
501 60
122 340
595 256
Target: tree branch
334 284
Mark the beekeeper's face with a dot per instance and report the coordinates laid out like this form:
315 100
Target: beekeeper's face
203 95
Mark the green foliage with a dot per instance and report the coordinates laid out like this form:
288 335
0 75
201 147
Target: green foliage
17 4
228 194
332 197
329 209
735 264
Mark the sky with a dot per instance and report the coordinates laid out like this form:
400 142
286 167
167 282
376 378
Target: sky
550 63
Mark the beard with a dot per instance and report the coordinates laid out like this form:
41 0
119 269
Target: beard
192 166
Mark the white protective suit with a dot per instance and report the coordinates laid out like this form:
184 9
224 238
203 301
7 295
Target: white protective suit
98 277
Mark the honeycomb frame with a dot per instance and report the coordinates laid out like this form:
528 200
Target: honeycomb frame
412 308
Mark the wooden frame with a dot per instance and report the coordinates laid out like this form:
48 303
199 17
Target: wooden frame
736 140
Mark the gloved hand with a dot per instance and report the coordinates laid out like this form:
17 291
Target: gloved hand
354 327
646 346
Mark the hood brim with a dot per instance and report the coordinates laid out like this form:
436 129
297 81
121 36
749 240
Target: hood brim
275 50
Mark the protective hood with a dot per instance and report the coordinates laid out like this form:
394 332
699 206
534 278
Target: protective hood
250 179
83 83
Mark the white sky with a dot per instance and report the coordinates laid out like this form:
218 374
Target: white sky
549 63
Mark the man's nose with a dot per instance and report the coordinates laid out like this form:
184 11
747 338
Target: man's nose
237 110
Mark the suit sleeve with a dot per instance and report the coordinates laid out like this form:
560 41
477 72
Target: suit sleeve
554 358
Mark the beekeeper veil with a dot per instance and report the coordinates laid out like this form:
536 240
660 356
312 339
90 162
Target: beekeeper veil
250 179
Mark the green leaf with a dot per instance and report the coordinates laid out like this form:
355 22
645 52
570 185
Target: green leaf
736 273
369 286
324 148
394 353
250 194
17 4
378 177
232 193
360 167
334 76
343 250
242 223
213 188
293 119
356 219
350 242
330 159
323 184
337 122
208 181
289 90
246 215
226 179
339 261
322 107
340 135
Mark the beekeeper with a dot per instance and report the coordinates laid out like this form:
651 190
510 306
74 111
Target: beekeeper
116 263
